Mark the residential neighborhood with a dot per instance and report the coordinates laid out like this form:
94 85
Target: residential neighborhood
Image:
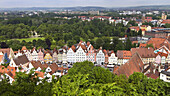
57 62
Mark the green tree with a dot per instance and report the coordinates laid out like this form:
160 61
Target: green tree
128 44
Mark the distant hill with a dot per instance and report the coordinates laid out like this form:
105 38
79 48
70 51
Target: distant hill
150 7
88 8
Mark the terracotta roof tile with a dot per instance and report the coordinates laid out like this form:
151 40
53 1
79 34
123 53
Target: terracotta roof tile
23 48
144 52
123 54
21 60
135 64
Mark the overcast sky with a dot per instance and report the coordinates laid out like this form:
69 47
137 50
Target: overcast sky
73 3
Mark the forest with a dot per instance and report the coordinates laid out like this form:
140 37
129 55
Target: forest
60 32
85 79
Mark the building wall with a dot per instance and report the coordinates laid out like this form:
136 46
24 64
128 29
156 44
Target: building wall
100 57
71 56
113 59
48 58
91 56
80 55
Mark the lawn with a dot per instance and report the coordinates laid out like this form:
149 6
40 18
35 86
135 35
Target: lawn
30 39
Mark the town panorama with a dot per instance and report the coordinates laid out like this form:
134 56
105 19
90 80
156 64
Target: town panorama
68 51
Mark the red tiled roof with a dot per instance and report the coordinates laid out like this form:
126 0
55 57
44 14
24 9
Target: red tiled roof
40 74
142 45
134 42
152 75
166 21
159 42
135 64
137 28
123 54
144 52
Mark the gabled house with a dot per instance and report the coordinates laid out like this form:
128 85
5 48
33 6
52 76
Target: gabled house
19 53
64 58
91 55
34 54
80 53
9 72
28 54
24 49
40 55
60 55
71 57
112 58
100 57
55 56
48 57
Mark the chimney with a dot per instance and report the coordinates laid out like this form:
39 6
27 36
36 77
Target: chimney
125 36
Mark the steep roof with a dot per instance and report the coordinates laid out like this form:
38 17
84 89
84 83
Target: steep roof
159 42
24 48
21 60
144 52
135 64
54 67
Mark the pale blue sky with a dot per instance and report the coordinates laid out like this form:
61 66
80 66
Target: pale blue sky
73 3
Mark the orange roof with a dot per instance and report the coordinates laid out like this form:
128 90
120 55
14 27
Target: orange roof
159 42
134 42
135 64
166 21
142 45
23 48
123 54
135 28
144 52
40 74
9 70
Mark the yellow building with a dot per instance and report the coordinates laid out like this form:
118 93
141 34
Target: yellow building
145 28
164 17
48 58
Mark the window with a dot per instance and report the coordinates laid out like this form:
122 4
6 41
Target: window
11 69
7 69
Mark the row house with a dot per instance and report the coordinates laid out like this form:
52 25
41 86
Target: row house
55 56
91 55
48 57
123 56
112 58
100 57
71 55
80 53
